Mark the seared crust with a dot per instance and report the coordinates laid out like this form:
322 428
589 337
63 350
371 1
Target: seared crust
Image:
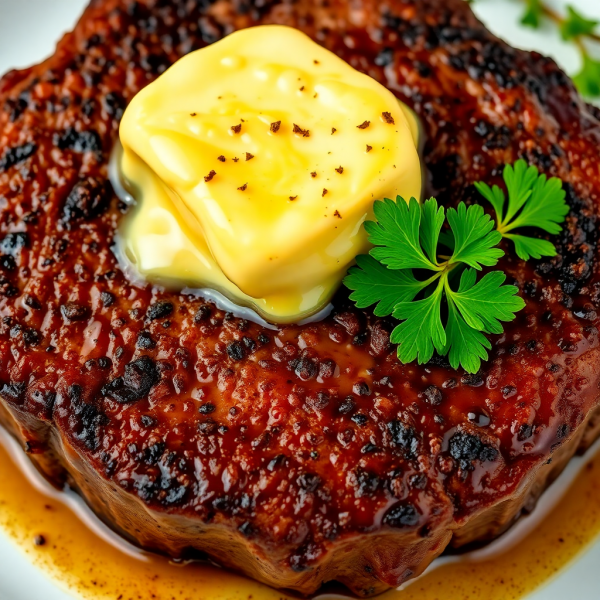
311 453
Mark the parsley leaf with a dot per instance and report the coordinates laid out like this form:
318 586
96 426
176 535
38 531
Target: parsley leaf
423 268
588 78
431 226
474 239
397 234
534 11
464 345
421 331
373 283
527 247
474 308
533 201
407 239
576 25
484 303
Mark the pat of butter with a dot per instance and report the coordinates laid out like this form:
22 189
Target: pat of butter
254 163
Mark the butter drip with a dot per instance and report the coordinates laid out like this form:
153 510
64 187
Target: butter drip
254 163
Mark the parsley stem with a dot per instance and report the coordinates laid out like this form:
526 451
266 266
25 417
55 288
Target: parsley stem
577 29
559 20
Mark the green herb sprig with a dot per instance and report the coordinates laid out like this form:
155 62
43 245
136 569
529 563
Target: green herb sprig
574 27
427 277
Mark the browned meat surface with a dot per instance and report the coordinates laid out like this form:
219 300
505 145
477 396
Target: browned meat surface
310 453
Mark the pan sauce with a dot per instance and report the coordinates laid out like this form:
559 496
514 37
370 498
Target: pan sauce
60 536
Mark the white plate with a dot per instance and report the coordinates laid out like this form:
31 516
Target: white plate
28 31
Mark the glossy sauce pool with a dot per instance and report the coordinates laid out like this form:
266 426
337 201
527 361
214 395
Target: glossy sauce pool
60 536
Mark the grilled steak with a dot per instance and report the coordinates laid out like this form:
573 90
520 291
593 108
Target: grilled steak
306 454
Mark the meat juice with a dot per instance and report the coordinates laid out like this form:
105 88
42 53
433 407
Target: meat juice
60 535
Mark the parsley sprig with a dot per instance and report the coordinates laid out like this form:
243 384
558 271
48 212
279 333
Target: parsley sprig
533 201
427 276
574 27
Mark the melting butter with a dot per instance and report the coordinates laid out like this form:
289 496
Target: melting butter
254 163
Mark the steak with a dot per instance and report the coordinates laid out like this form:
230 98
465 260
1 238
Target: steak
308 453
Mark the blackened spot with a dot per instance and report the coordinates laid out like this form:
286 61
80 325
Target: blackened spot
525 432
14 156
7 263
418 481
72 311
370 448
147 488
385 57
347 406
14 391
249 343
175 495
367 483
433 395
31 336
423 69
246 529
472 379
10 291
499 138
207 409
445 173
360 419
104 362
159 310
361 389
145 341
575 245
306 369
148 421
88 106
88 199
107 299
235 351
482 128
154 63
466 448
114 105
88 418
360 339
530 288
508 391
78 141
562 431
207 427
13 243
32 302
276 462
153 453
221 503
93 41
202 314
402 514
140 376
404 437
15 107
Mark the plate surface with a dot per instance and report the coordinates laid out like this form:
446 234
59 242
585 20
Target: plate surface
29 30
